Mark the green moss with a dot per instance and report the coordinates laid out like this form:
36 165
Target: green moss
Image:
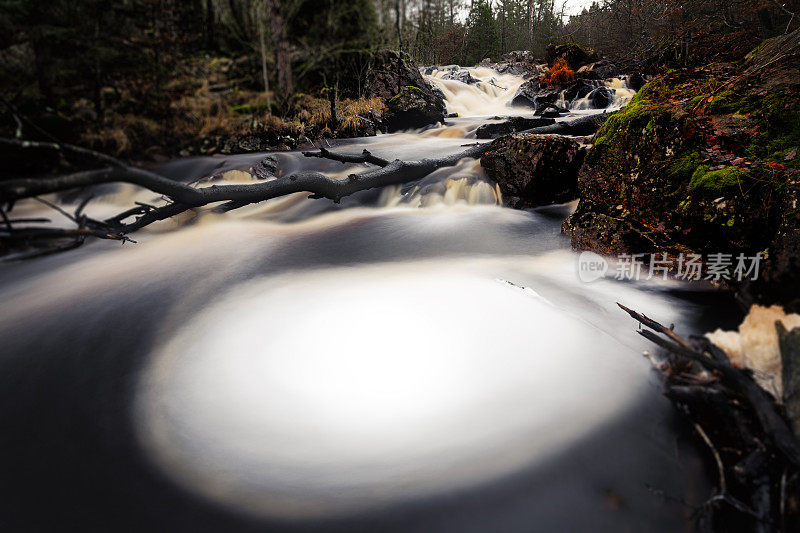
691 104
683 167
725 102
635 111
246 109
716 181
406 91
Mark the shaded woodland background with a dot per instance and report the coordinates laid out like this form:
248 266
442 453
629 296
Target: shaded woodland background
146 78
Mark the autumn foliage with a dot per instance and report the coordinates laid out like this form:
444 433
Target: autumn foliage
559 73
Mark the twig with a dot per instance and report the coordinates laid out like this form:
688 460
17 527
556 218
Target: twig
720 467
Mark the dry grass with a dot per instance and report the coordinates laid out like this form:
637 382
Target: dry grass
204 102
123 133
559 73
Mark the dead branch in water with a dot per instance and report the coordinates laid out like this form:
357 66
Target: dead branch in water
755 452
184 197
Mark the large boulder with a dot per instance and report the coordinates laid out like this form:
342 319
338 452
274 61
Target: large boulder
526 94
598 70
636 81
534 170
413 107
575 55
687 168
389 73
410 101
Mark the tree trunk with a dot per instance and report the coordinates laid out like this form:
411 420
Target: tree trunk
261 37
283 61
209 25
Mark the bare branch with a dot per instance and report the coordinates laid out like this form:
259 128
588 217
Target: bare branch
365 157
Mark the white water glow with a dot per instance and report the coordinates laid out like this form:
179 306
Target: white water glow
329 392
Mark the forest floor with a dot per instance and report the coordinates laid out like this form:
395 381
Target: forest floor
208 105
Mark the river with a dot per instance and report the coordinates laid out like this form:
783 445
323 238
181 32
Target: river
417 358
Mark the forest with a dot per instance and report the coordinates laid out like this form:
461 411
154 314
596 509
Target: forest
400 265
153 78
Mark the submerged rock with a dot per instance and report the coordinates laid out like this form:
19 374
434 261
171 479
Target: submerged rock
512 125
534 170
461 75
601 97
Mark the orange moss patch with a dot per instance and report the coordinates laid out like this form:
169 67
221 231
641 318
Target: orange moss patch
559 73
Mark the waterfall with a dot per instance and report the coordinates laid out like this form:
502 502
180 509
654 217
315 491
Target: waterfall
489 95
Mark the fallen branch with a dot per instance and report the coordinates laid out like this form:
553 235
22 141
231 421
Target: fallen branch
365 157
742 425
184 197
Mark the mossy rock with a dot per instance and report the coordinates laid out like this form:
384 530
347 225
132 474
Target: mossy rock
716 181
574 54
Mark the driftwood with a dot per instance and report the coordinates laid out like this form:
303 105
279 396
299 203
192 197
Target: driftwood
587 125
755 452
183 197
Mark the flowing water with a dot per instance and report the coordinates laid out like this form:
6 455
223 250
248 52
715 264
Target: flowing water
414 358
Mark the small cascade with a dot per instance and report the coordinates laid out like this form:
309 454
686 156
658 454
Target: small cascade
461 185
483 92
474 92
614 91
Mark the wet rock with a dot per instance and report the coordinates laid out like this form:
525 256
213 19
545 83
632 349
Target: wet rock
413 108
518 56
524 68
251 142
779 280
546 97
601 97
438 92
550 111
597 71
577 89
526 94
636 81
534 170
461 75
512 125
266 168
